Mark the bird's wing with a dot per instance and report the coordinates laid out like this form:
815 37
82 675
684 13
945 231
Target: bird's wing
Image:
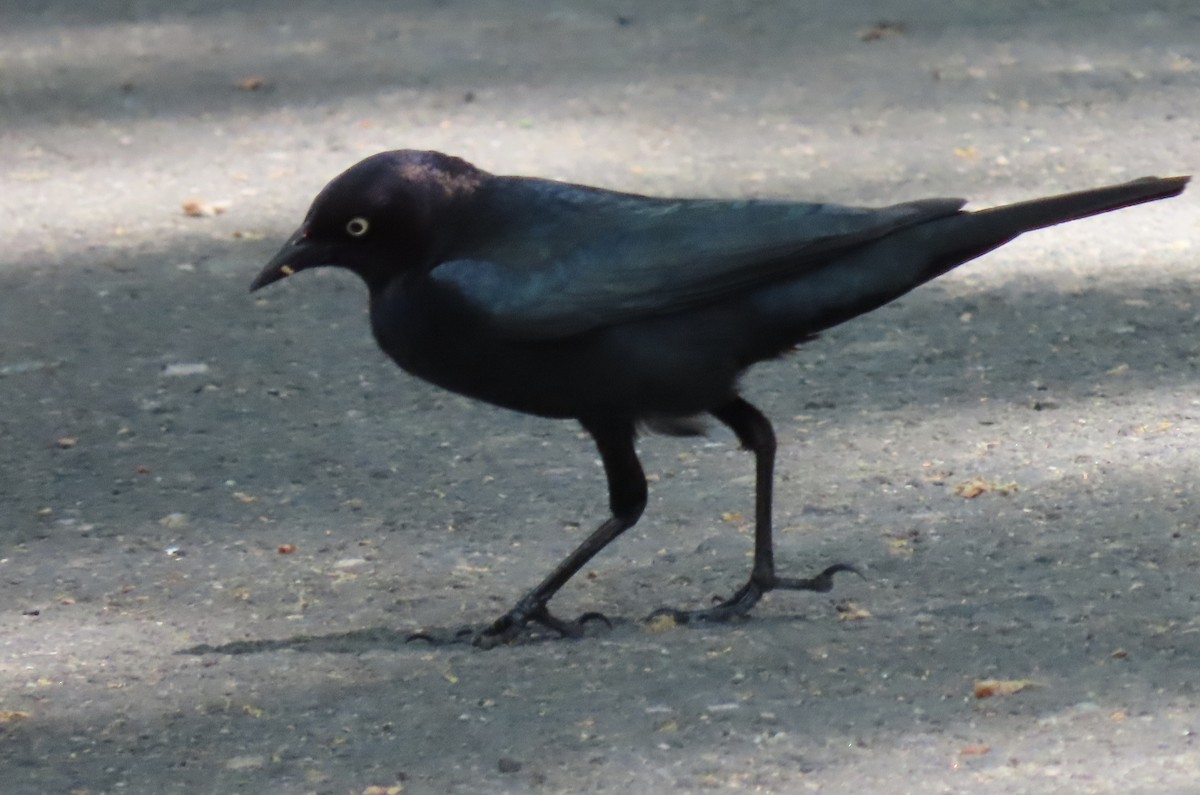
572 259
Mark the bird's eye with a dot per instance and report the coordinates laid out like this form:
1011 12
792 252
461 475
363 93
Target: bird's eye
357 227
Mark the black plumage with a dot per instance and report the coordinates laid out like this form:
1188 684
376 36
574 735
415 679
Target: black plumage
617 310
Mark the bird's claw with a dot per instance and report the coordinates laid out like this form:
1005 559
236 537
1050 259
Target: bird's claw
735 606
822 583
509 627
748 595
442 637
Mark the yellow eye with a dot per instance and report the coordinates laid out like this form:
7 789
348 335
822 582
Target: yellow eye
357 227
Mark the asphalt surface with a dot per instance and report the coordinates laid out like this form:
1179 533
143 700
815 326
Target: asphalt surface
221 514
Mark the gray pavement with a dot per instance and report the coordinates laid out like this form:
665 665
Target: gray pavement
220 514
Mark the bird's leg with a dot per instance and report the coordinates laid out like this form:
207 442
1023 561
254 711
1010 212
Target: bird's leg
754 432
627 500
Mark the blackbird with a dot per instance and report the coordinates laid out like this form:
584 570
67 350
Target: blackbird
624 311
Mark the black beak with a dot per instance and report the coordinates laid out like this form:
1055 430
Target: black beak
297 254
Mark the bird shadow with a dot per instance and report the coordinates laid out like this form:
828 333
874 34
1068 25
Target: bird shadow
391 639
353 642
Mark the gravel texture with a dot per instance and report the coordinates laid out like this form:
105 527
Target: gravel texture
222 514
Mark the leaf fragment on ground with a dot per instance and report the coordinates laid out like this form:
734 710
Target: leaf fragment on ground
663 623
883 29
849 611
251 83
970 489
987 688
200 208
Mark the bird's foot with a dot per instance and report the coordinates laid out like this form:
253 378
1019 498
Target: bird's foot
509 627
748 595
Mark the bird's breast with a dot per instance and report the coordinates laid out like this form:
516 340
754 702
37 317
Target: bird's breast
440 339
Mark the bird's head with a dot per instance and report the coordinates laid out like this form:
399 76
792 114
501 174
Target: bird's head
378 218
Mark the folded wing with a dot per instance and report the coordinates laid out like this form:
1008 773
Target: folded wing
563 259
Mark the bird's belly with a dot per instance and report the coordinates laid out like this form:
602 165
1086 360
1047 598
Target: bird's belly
636 371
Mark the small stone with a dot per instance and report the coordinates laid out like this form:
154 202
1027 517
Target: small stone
249 762
185 368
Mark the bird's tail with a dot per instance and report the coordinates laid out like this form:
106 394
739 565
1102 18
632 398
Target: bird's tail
1040 213
888 268
958 239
